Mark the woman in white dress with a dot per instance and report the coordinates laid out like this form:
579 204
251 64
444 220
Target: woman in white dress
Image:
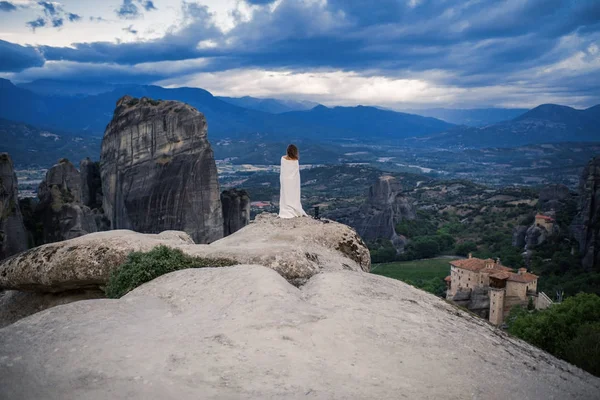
289 178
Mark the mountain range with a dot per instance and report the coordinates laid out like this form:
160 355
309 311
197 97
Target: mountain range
91 114
79 110
547 123
29 145
471 117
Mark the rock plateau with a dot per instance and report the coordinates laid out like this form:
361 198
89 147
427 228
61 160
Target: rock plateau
245 332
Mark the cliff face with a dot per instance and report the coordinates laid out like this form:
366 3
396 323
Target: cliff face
385 207
91 185
158 170
554 197
586 225
13 237
236 210
60 210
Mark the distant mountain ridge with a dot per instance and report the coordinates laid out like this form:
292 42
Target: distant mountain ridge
273 106
91 114
547 123
29 145
472 116
389 124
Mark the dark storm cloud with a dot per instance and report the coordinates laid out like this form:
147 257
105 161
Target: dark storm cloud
7 6
16 58
473 43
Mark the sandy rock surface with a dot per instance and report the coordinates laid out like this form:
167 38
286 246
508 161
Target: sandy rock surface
245 332
296 248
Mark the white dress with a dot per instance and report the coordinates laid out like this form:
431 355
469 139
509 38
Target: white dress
289 194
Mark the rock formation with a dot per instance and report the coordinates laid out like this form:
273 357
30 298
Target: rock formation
13 237
535 236
586 225
377 218
476 300
91 192
60 209
236 210
519 236
554 197
91 184
243 332
385 207
296 248
158 170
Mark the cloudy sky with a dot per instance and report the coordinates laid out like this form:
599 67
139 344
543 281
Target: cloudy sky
392 53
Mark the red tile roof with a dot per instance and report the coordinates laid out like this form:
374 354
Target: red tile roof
479 265
525 277
448 278
501 275
497 271
547 218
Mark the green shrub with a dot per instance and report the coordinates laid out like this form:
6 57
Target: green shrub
142 267
569 330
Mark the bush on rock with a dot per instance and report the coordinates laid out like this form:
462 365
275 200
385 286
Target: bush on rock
142 267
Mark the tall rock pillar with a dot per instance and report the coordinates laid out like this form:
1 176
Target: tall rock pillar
158 170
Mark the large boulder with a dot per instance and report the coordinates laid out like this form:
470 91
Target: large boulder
81 263
158 170
60 210
236 210
13 237
586 225
245 333
296 248
535 236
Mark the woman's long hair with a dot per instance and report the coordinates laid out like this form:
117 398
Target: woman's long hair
292 152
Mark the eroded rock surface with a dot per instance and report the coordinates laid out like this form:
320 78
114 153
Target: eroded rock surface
244 332
554 197
236 210
297 248
15 305
91 184
385 207
60 209
13 237
81 263
158 170
586 225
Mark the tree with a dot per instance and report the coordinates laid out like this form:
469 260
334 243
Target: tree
569 330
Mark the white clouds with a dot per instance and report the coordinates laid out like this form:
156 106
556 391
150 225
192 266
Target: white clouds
344 88
350 89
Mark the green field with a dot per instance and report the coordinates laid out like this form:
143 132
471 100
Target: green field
425 274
